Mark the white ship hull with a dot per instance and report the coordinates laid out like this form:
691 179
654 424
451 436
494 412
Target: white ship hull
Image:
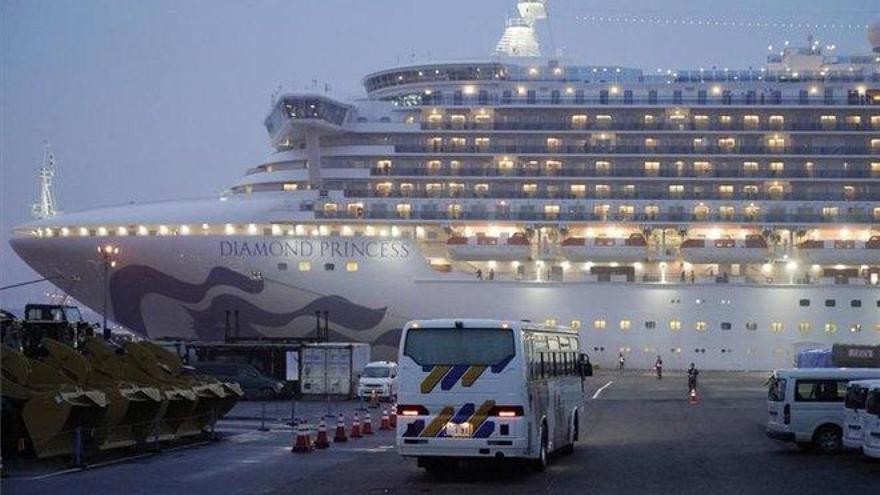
182 287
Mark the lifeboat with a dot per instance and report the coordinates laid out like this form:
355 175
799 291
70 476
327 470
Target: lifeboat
752 249
485 248
602 249
840 252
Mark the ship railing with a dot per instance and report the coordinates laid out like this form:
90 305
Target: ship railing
603 149
622 99
637 172
641 126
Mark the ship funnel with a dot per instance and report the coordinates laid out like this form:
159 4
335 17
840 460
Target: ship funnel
520 39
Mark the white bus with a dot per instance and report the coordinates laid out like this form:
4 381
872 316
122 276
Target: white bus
488 389
805 406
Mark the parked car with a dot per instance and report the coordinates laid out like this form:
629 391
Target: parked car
806 406
252 381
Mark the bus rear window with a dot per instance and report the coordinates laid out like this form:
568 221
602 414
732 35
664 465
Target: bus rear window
776 390
856 397
451 346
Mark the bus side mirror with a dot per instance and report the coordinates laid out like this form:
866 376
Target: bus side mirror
586 367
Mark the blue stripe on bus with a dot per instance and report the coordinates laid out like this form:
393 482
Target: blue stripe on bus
499 367
485 430
415 428
453 375
463 414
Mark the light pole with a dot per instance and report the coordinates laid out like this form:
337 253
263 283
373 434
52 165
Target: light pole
107 252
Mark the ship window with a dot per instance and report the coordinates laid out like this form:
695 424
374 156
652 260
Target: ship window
599 324
804 327
777 327
351 266
751 326
675 325
652 168
830 327
282 266
725 325
651 324
700 326
305 266
830 303
575 324
329 267
856 303
625 324
804 303
550 322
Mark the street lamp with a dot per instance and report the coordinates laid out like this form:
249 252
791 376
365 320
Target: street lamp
108 252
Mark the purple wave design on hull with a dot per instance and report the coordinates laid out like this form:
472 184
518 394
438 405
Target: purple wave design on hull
130 284
210 323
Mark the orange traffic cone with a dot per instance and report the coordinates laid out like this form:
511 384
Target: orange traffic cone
393 418
368 424
321 441
303 444
692 398
356 427
340 436
386 421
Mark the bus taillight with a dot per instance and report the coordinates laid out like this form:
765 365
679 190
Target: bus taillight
506 411
408 410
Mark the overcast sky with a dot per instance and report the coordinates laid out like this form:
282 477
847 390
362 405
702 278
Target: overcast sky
160 99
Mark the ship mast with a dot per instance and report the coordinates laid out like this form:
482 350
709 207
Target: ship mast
46 205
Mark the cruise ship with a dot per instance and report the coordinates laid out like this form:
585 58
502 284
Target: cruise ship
728 218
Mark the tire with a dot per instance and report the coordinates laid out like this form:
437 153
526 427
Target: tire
828 439
568 449
540 464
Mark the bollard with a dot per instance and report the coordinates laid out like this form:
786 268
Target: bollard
356 427
78 460
302 444
340 436
156 447
393 418
321 440
386 421
263 418
292 422
367 427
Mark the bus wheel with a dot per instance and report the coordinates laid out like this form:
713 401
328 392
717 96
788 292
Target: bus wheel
540 464
828 439
568 449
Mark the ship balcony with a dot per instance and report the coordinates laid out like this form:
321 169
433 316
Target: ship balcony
612 149
485 248
575 216
605 249
845 252
752 249
624 172
562 126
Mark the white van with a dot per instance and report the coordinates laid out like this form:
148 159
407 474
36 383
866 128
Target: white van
871 423
488 389
854 412
806 405
379 378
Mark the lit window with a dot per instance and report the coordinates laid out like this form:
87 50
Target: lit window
599 324
305 266
675 325
625 324
550 322
830 327
351 266
804 327
776 327
575 324
700 326
290 187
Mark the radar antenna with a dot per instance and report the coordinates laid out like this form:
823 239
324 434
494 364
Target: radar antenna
46 207
520 39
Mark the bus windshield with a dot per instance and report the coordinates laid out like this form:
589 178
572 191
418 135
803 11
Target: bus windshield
459 346
377 372
856 397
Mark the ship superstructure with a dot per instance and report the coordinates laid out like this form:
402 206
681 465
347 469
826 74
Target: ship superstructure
727 217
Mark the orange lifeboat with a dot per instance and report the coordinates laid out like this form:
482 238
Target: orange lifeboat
604 249
485 248
844 252
752 249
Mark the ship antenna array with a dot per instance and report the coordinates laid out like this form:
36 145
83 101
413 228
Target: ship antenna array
46 207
